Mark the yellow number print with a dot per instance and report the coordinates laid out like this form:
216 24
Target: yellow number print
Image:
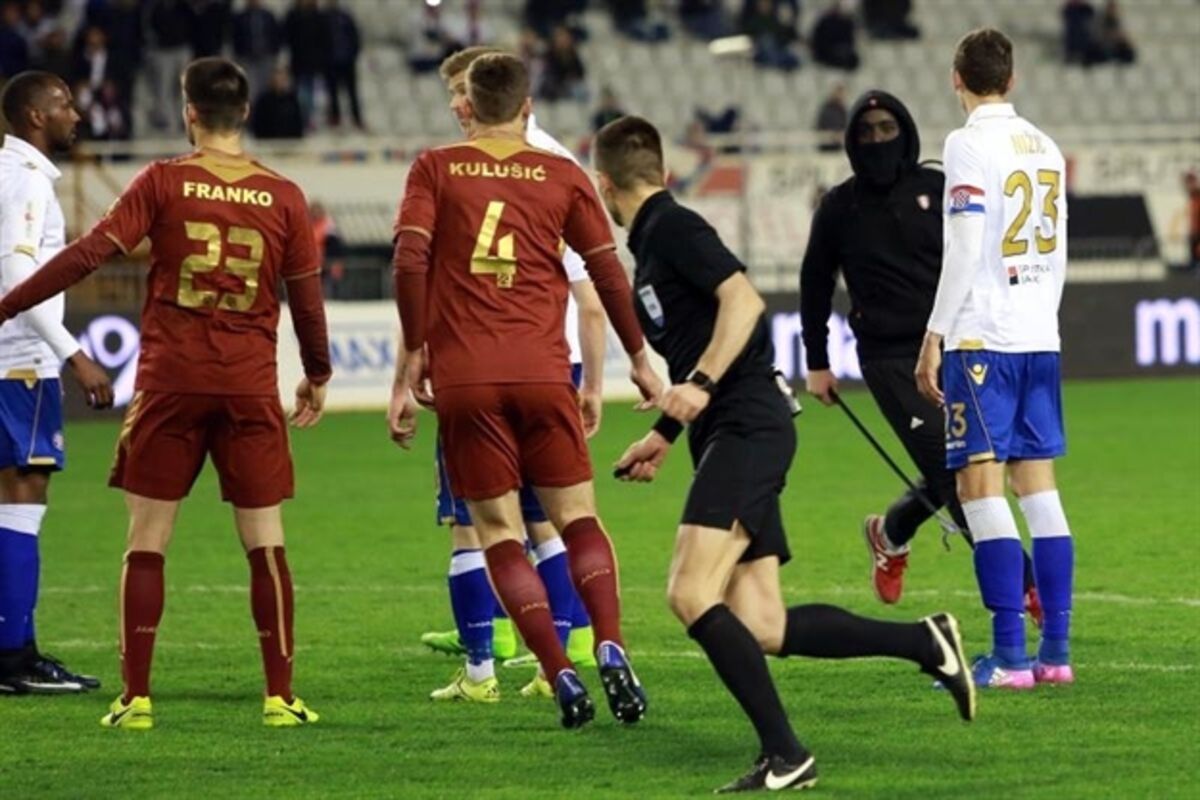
245 268
957 423
189 296
1019 181
1012 246
1050 179
504 263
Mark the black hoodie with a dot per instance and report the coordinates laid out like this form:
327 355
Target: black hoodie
887 242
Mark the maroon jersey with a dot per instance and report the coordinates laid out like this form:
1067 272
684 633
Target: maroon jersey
497 212
224 232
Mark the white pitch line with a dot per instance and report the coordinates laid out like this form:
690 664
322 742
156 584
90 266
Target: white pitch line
436 587
641 655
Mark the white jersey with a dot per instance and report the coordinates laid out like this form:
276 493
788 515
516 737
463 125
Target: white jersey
1002 167
572 261
32 231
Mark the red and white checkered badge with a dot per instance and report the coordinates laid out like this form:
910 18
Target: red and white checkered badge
963 198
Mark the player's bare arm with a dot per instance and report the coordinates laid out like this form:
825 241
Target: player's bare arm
593 330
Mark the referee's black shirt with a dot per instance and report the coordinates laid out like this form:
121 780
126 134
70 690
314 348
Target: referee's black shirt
680 263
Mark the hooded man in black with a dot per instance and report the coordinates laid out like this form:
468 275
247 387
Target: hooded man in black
882 229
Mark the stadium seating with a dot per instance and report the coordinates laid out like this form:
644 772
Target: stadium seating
668 81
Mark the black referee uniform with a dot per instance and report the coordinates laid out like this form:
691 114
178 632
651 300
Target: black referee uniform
743 443
882 229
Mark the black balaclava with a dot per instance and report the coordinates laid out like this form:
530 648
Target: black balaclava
880 165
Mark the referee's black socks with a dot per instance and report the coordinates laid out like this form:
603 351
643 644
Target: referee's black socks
738 659
824 631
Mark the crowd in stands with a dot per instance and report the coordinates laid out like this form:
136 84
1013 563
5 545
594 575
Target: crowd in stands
101 47
1090 38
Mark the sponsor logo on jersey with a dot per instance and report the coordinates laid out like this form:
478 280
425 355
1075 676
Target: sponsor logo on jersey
1014 277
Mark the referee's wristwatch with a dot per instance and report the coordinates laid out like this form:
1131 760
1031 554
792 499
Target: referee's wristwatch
702 380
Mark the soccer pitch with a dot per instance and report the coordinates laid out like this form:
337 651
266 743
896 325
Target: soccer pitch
369 566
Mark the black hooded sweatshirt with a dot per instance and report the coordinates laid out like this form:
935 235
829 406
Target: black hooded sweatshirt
882 229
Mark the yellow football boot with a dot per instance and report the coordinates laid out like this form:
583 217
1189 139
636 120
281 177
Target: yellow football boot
136 715
463 688
278 713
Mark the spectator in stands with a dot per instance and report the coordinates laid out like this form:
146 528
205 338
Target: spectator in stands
257 40
56 56
169 27
94 60
631 18
331 250
276 113
831 120
833 38
35 27
1191 185
704 19
210 30
105 115
342 71
608 110
888 19
772 26
123 25
14 51
546 15
307 46
564 72
1114 42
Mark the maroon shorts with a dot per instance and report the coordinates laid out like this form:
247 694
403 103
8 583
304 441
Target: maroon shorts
496 437
166 437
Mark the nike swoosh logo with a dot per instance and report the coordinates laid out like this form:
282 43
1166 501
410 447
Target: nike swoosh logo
776 782
950 666
301 715
117 716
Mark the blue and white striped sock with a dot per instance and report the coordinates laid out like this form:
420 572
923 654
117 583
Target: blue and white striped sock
20 564
552 566
1054 566
472 601
999 568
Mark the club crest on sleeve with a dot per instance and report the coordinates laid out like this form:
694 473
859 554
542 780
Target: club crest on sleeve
965 198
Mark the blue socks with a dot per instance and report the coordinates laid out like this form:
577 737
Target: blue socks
473 604
1054 565
999 568
20 565
552 567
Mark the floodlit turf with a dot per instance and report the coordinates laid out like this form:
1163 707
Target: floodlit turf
369 566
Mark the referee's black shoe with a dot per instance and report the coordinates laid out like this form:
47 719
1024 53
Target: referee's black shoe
573 700
626 697
950 666
774 774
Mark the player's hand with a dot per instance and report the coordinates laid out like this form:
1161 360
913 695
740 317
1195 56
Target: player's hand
642 459
684 402
646 380
929 364
416 371
822 384
93 380
591 406
402 416
310 403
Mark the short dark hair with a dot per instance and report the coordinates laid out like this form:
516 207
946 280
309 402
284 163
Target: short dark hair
461 61
497 85
217 88
629 150
984 61
23 92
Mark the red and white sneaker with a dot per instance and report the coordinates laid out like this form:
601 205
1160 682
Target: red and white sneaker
1033 607
887 565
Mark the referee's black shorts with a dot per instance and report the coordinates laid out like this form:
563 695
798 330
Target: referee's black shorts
742 447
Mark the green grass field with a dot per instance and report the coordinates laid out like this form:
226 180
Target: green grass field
370 572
